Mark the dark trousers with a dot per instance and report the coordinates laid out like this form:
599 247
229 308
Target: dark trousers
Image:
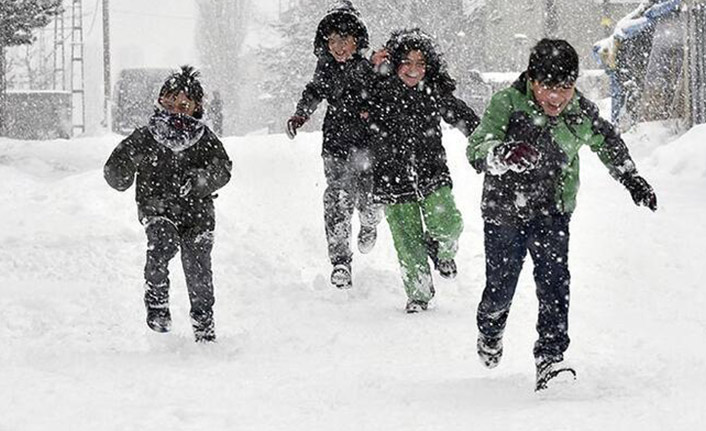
163 242
349 186
547 239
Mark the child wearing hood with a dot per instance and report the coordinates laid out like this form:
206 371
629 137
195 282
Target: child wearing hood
412 179
178 164
343 77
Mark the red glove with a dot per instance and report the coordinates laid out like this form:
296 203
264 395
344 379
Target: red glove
518 156
295 122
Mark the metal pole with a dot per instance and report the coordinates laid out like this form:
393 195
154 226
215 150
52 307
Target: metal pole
106 64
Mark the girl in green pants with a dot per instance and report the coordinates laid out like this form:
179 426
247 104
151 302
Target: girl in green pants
411 176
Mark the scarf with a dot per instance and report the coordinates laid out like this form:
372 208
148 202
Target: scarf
175 131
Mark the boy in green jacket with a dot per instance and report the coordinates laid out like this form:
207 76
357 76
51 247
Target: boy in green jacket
527 145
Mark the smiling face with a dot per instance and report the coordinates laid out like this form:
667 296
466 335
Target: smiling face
341 47
178 103
412 68
553 98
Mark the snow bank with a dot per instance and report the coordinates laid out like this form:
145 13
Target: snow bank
295 354
686 156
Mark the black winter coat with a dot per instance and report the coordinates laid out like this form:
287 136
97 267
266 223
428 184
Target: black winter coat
161 173
410 160
347 88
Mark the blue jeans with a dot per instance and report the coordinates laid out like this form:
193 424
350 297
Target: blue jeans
547 239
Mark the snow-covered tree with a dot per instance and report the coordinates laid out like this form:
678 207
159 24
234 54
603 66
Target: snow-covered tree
17 20
222 27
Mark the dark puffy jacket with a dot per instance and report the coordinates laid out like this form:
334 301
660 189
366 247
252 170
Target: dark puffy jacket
161 173
410 160
345 86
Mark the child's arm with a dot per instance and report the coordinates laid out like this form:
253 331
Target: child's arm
611 149
119 171
458 114
216 174
491 130
314 92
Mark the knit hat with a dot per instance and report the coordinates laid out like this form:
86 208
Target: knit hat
553 61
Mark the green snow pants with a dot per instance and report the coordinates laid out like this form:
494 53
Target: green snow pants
407 223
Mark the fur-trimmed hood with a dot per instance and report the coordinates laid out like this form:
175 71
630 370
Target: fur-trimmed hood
401 42
343 19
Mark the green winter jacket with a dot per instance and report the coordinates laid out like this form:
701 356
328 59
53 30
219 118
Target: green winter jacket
551 187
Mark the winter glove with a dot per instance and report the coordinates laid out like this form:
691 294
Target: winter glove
515 156
641 192
295 122
186 186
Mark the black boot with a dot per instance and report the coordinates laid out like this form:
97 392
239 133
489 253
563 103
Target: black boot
341 276
204 328
446 267
551 371
159 319
490 350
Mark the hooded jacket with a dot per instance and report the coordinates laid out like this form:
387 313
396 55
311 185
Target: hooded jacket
550 188
345 86
410 160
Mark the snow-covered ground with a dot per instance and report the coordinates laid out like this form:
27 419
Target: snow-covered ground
295 354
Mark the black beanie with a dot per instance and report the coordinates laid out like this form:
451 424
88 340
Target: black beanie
553 61
186 80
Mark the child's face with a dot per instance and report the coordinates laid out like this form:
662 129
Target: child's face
178 104
413 68
553 98
341 47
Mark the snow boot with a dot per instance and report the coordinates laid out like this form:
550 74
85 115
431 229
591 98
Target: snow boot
446 267
415 306
551 371
204 331
490 350
341 276
159 319
366 238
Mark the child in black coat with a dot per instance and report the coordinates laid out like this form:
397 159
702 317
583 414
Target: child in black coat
343 77
178 164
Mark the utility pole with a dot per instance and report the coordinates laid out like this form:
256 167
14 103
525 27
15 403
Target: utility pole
78 100
551 28
106 64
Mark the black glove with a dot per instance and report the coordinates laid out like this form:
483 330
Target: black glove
518 156
295 122
641 192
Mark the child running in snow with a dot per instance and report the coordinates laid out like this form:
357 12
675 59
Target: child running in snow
342 77
178 163
527 145
412 179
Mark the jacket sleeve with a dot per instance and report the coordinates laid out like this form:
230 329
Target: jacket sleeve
607 143
119 171
216 173
491 130
314 92
458 114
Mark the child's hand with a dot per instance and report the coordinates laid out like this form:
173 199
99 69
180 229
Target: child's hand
185 188
379 57
295 122
515 156
640 190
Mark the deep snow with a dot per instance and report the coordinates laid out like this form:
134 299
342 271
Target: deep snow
296 354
